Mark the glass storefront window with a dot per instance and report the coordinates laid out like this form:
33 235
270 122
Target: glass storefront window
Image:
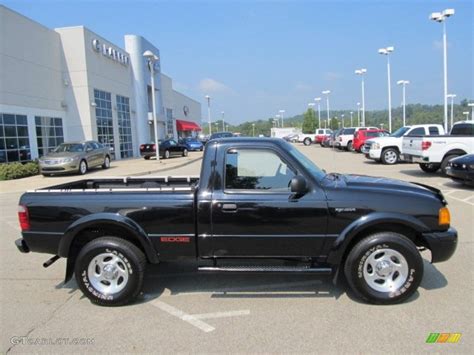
125 126
169 122
14 140
49 133
103 114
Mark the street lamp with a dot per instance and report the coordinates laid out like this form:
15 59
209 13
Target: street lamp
277 118
351 118
358 114
362 73
152 59
441 17
452 96
318 100
223 125
253 129
403 83
208 98
281 115
386 51
471 105
327 92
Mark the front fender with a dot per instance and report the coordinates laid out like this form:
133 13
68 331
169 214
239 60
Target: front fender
342 242
112 219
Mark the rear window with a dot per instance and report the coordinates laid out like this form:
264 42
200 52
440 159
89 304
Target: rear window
434 131
420 131
348 131
463 129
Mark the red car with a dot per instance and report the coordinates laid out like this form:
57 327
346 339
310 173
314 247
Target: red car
362 135
321 134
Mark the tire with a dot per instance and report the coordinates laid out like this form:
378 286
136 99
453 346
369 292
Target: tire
166 154
445 162
350 148
125 274
381 257
106 164
307 141
429 168
83 167
390 156
201 149
185 153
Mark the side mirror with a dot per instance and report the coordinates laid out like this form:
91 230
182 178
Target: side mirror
298 185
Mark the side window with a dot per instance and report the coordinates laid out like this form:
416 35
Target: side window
256 169
94 145
463 129
172 143
89 147
434 131
420 131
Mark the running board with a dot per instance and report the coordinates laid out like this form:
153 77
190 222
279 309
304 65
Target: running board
289 269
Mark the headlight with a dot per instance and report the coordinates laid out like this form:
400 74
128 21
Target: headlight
65 160
471 166
375 146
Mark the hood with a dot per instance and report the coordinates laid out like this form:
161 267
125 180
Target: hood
464 159
364 182
52 155
384 140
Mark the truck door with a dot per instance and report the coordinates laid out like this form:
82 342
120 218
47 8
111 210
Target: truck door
254 213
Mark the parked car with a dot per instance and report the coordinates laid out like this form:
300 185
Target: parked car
191 143
361 136
293 138
77 157
321 134
461 169
167 149
330 141
433 153
221 135
306 138
346 137
256 198
387 149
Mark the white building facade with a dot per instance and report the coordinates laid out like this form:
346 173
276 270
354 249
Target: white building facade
71 84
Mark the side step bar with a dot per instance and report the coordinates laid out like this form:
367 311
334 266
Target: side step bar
289 269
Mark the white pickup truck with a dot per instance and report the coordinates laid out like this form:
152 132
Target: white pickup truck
387 149
433 153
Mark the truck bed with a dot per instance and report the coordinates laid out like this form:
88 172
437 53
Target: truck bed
127 184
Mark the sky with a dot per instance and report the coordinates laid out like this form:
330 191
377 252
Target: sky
255 58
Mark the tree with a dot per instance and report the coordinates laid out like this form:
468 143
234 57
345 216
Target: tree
309 121
334 123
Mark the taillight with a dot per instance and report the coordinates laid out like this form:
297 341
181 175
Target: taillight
425 145
24 218
153 147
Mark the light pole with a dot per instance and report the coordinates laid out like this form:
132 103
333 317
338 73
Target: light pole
466 113
318 100
362 73
277 118
471 105
253 129
281 115
208 98
386 51
441 18
404 83
358 114
452 96
223 125
152 59
351 118
342 120
327 92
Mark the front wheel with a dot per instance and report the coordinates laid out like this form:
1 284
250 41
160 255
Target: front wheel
82 167
384 268
109 271
390 156
166 155
106 164
185 153
307 141
429 168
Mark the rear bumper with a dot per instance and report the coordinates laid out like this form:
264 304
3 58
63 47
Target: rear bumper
410 158
21 245
442 244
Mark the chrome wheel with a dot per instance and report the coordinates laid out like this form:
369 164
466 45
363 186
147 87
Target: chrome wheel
385 270
108 273
83 167
107 162
167 154
390 157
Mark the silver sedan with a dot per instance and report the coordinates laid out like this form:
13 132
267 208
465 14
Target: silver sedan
75 157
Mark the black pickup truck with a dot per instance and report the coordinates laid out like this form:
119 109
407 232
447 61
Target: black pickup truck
259 205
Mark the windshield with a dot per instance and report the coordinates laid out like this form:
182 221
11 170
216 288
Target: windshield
400 132
71 148
308 164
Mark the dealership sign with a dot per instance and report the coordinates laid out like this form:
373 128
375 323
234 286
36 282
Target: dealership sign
110 52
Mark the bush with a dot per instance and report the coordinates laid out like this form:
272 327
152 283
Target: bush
11 171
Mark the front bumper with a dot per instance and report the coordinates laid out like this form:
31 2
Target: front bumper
441 244
21 245
58 168
458 174
374 154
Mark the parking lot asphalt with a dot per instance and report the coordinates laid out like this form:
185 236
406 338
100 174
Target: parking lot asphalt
185 311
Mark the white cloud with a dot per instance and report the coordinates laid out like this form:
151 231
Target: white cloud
208 85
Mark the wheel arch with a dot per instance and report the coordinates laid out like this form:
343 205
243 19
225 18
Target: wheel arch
391 146
456 151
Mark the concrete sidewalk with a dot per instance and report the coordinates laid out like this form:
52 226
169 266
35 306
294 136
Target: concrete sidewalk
129 167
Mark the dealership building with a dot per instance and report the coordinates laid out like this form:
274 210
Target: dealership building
71 84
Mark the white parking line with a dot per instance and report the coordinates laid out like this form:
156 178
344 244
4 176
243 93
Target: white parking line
195 319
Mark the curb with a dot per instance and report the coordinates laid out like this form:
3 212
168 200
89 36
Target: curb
166 169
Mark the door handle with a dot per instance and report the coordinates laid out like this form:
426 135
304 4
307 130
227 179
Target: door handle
229 207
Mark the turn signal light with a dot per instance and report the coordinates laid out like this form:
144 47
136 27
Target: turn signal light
444 218
24 218
425 145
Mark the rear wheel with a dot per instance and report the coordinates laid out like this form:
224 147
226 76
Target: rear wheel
445 162
166 154
429 168
185 153
307 141
82 167
384 268
390 156
109 271
350 148
146 157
